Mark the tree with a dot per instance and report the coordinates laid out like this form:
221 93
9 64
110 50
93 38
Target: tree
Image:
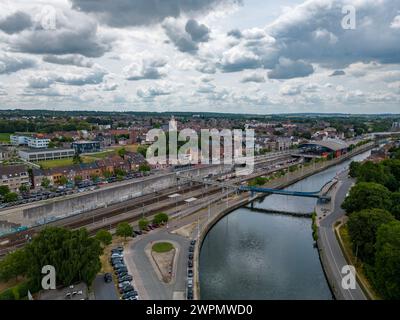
107 174
104 237
142 150
13 265
122 152
144 167
120 172
45 182
372 172
52 144
74 255
354 167
387 261
395 210
76 159
63 181
23 188
160 218
367 195
143 224
4 190
11 197
363 226
124 229
77 179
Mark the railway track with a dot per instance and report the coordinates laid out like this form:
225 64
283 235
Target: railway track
109 217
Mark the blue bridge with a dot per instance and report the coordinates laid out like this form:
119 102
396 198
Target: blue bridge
314 194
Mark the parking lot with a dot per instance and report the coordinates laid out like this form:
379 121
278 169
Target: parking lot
125 281
103 290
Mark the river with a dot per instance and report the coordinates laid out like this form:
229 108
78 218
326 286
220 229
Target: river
252 255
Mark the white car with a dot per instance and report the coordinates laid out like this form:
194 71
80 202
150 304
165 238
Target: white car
123 284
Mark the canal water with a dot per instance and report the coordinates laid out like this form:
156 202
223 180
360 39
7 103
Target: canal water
252 255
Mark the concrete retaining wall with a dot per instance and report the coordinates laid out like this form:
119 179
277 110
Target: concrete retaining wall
50 210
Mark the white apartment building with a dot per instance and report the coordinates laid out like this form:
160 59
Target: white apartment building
38 143
32 142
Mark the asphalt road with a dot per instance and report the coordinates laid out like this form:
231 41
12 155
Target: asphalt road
330 245
103 290
147 282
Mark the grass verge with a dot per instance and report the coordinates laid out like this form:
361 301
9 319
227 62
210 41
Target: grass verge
161 247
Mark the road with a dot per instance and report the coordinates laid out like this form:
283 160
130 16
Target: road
329 244
145 278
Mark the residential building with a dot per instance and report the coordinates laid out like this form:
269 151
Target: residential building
86 146
5 153
37 177
112 163
46 154
17 140
14 176
135 159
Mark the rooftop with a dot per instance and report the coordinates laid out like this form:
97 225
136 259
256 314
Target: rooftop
47 150
12 170
334 145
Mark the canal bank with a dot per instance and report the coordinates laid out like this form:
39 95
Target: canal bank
242 200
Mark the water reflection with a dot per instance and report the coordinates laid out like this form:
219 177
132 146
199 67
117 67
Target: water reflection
252 255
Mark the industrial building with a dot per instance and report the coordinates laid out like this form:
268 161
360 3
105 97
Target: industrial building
324 148
46 154
86 146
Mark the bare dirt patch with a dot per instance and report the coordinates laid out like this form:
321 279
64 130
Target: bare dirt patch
165 263
186 230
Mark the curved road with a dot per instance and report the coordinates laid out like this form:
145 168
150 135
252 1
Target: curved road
145 279
329 244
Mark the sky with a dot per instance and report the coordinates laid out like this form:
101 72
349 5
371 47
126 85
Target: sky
237 56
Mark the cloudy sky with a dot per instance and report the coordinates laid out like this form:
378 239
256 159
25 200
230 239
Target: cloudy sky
244 56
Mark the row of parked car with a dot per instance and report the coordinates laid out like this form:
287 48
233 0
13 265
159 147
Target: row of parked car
37 196
190 271
125 285
150 227
80 187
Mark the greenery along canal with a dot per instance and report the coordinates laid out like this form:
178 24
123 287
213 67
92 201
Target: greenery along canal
252 255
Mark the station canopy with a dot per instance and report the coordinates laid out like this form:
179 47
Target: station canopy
334 145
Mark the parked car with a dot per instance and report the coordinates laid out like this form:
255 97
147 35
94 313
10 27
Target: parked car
190 264
121 274
193 242
190 273
121 271
191 249
126 289
129 295
116 261
119 266
190 283
124 284
190 256
128 277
